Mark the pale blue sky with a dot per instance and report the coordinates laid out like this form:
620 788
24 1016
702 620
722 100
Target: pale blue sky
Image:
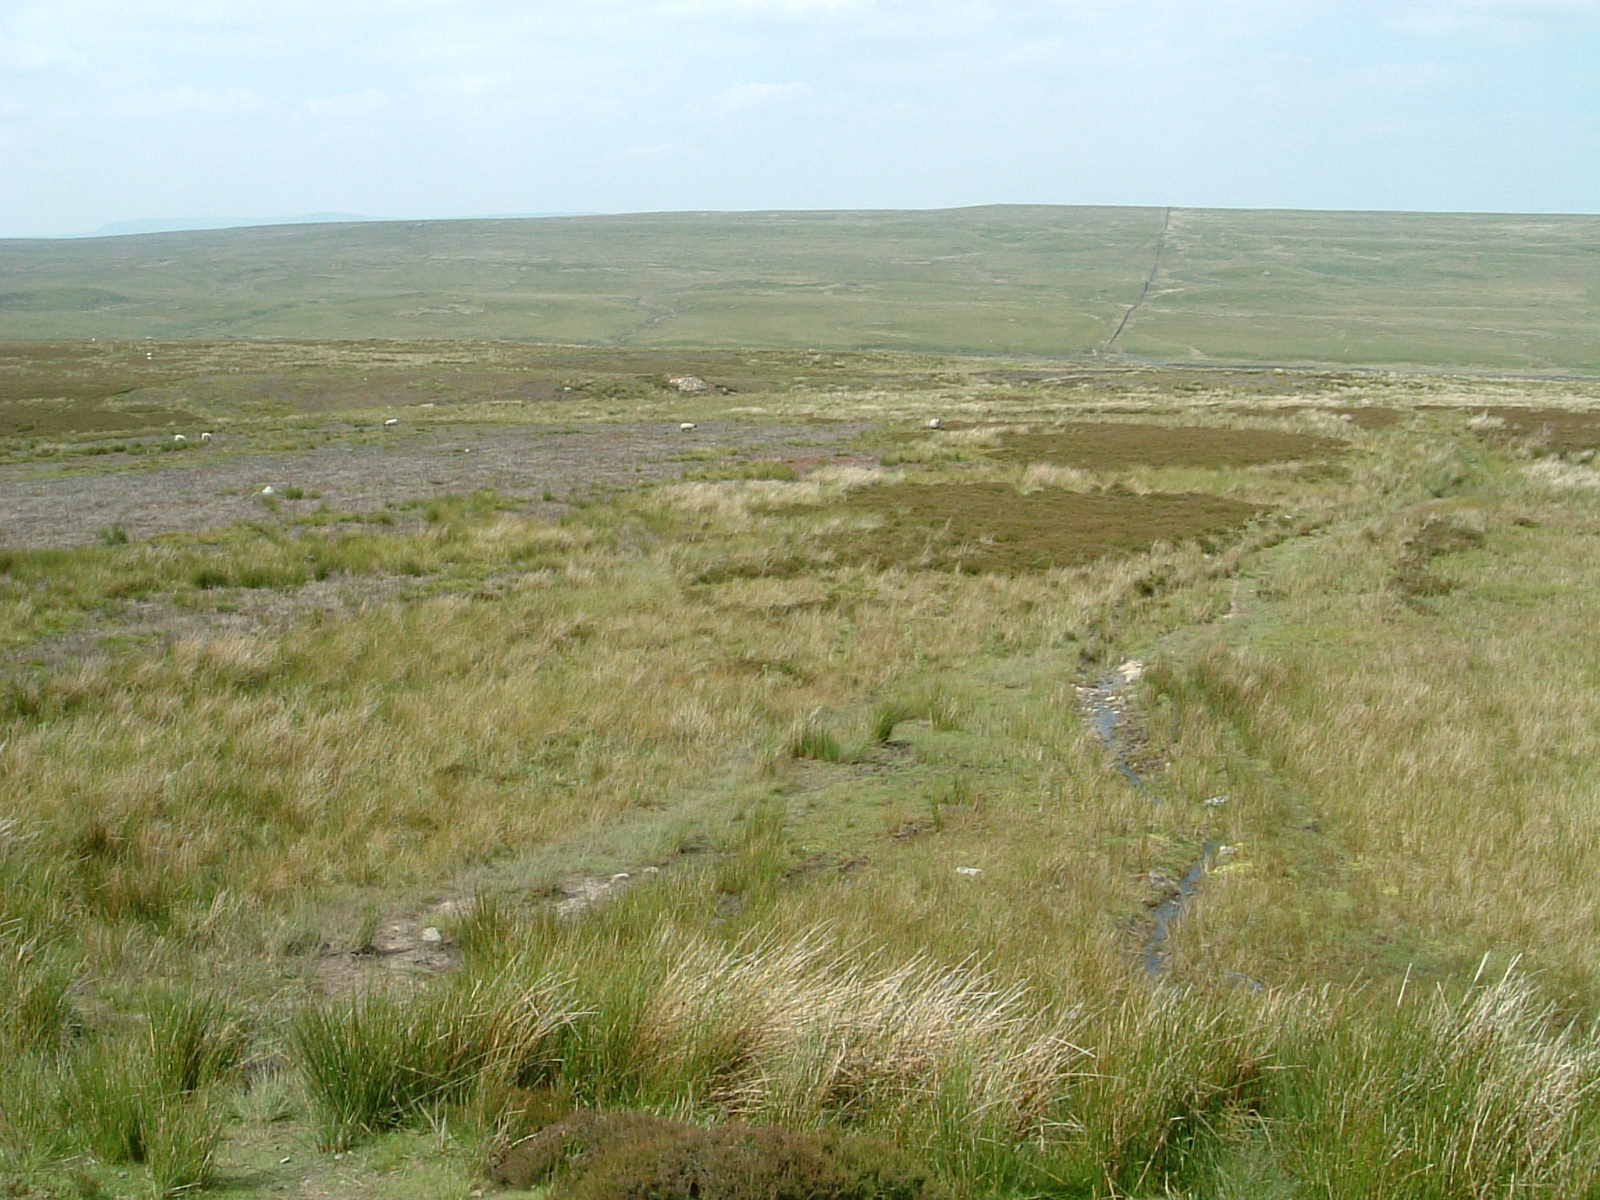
121 109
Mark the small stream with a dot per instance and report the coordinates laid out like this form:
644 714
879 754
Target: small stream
1106 704
1156 946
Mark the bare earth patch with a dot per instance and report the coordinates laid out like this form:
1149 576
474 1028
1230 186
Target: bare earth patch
203 489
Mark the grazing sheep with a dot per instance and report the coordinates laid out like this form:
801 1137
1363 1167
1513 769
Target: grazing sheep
935 422
178 439
391 422
686 426
267 491
205 439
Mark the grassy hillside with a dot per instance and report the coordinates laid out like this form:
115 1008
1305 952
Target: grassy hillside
1495 292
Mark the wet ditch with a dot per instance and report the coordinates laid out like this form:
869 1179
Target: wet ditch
1106 705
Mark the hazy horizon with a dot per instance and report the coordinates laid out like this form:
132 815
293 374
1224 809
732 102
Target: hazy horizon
180 110
140 226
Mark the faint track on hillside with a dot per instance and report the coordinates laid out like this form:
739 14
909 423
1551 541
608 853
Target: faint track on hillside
1161 241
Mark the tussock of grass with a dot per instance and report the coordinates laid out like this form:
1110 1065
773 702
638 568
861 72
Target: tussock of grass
1485 1094
149 1094
380 1061
1558 475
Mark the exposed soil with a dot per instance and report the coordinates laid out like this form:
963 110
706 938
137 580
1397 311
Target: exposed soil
209 487
991 528
1107 707
402 947
1109 446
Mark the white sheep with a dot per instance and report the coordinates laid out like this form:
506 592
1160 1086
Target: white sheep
205 439
935 422
686 426
267 491
178 439
391 422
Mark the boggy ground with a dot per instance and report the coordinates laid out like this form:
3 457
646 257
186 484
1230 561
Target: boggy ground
882 875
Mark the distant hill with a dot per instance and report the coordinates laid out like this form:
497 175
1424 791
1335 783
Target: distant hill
1454 291
181 224
184 224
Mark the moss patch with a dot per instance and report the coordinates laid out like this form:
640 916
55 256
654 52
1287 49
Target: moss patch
991 528
1111 446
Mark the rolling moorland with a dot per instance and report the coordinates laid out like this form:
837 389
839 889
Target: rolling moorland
1501 293
487 767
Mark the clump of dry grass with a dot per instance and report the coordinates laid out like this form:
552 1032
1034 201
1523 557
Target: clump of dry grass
1559 475
739 503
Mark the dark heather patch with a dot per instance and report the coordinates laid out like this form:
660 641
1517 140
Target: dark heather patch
1106 446
991 528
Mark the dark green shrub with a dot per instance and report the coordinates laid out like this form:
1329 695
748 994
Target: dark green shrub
637 1156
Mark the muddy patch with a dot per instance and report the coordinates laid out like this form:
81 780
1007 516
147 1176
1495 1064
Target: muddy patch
991 528
1173 900
1107 446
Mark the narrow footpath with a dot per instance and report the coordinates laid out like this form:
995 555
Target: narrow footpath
1155 266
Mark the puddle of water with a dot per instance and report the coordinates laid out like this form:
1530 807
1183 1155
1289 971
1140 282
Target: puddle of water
1106 706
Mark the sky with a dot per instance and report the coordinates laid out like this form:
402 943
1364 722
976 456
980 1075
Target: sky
112 110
